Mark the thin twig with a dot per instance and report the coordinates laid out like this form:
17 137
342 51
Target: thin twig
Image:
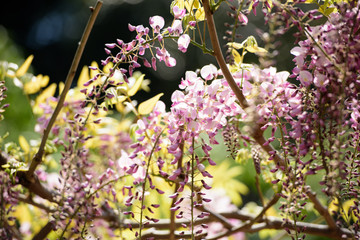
38 156
322 210
30 201
257 133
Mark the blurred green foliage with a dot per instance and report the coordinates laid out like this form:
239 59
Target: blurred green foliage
19 118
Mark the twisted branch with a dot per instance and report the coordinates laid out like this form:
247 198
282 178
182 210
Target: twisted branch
262 223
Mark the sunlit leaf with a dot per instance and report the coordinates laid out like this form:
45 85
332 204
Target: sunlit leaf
25 66
23 214
48 92
266 233
333 206
347 211
94 72
120 107
147 106
192 4
236 55
84 77
108 67
33 86
61 87
133 90
200 14
145 85
24 144
235 45
256 49
242 155
44 81
224 177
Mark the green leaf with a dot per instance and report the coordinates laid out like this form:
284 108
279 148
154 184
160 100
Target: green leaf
147 106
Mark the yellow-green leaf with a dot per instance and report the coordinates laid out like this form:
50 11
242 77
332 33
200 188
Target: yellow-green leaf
347 210
200 14
24 144
256 49
25 66
61 87
44 81
33 86
235 45
333 206
147 106
5 165
236 55
192 4
94 72
84 77
48 92
132 91
108 67
145 85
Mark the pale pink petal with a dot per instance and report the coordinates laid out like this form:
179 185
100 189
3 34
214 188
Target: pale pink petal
183 42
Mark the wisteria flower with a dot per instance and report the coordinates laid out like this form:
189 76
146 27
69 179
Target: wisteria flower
164 55
178 13
243 19
208 72
176 27
183 42
320 81
157 23
305 78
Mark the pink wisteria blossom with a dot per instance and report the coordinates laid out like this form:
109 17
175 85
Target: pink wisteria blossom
208 72
164 55
305 78
243 19
176 28
178 12
183 42
157 23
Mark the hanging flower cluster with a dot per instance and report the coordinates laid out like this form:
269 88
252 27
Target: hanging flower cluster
202 106
122 167
327 68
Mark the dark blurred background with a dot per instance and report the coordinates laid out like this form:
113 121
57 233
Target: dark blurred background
51 30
